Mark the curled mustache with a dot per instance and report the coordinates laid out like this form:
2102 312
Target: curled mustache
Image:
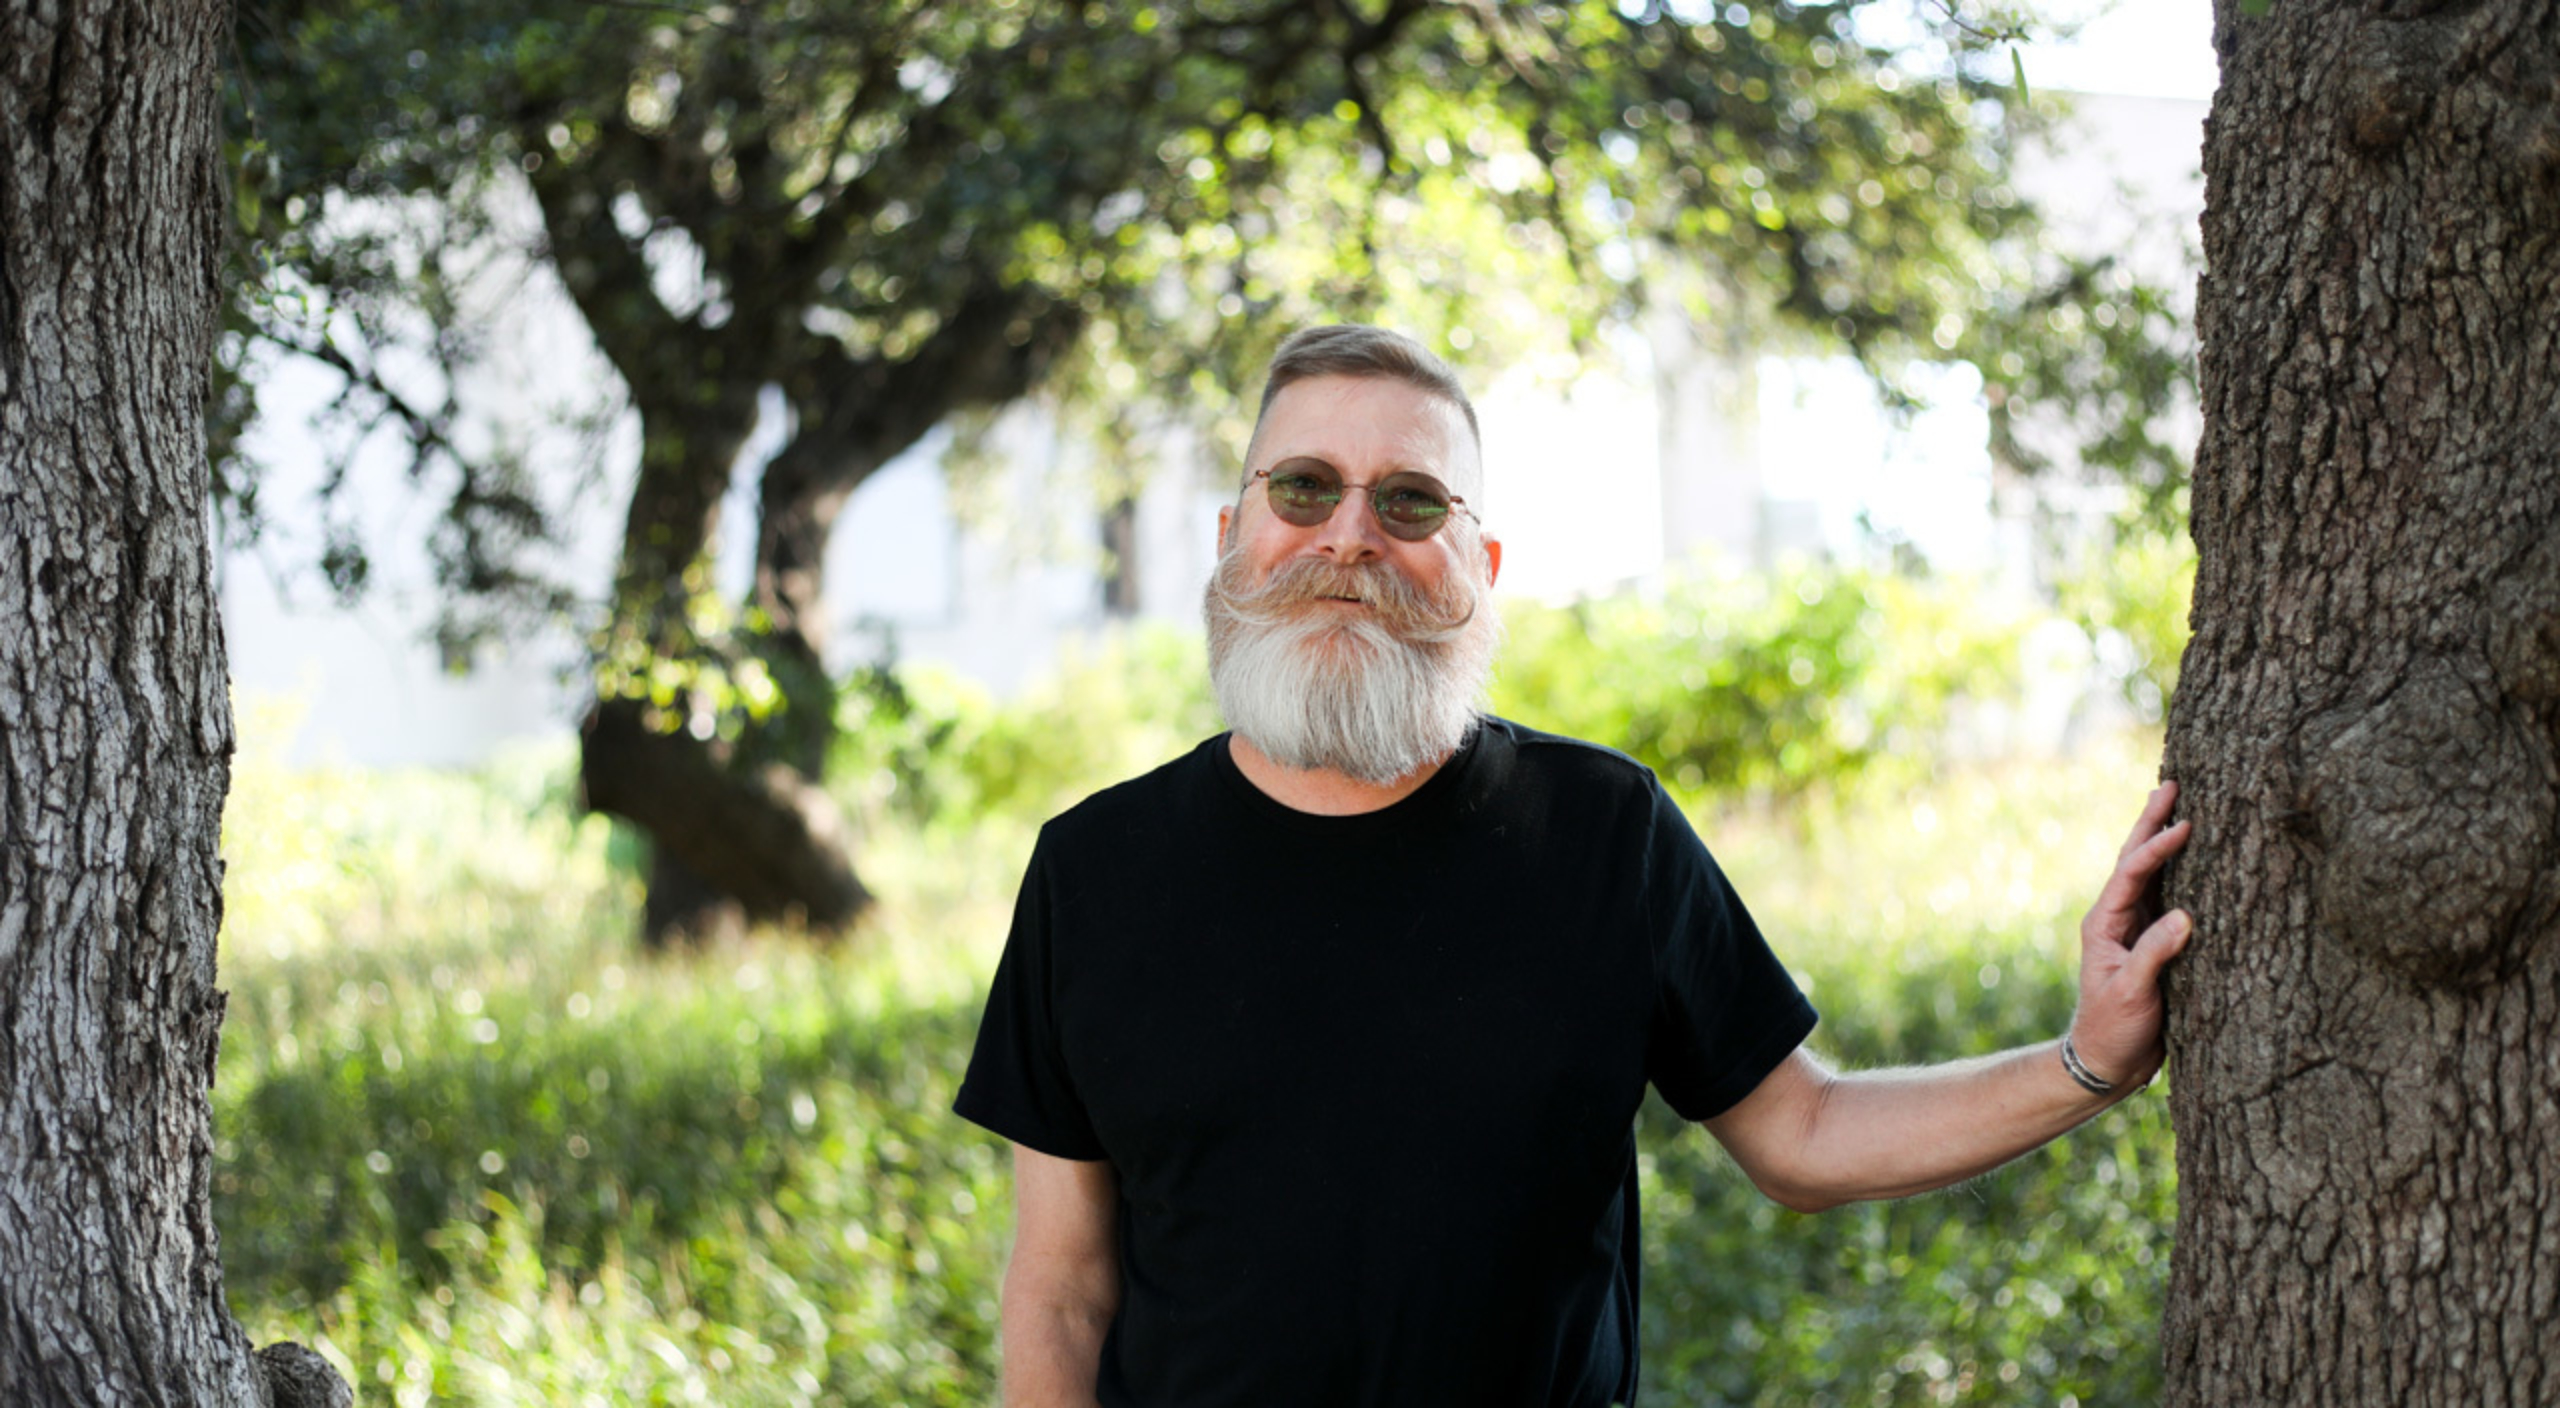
1374 694
1407 610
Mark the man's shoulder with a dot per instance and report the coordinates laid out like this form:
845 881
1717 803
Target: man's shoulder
1556 754
1162 795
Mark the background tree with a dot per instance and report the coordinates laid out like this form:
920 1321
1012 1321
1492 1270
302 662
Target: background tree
115 722
2367 1094
895 214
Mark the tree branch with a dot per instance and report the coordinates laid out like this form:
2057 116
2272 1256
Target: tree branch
607 276
859 412
427 430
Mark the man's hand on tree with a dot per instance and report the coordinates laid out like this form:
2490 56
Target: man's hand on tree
2124 943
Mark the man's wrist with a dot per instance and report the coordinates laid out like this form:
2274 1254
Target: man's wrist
2079 1071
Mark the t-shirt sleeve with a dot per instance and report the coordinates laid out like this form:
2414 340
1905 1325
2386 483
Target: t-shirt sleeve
1018 1084
1725 1012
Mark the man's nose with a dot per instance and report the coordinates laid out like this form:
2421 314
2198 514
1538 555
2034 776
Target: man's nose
1353 533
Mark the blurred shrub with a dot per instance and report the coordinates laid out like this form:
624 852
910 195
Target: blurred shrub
2132 596
923 746
1765 682
1768 683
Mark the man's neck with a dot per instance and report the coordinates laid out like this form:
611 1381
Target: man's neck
1322 791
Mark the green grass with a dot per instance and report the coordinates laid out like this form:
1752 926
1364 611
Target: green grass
476 1150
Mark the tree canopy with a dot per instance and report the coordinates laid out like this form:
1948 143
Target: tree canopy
896 213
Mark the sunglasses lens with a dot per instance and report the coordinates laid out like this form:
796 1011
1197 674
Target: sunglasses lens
1411 509
1303 495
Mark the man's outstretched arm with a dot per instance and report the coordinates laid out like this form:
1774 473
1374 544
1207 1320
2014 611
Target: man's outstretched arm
1813 1139
1062 1285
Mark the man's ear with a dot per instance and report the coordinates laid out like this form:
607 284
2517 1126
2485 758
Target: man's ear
1492 560
1226 516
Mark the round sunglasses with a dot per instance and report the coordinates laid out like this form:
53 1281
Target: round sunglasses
1410 505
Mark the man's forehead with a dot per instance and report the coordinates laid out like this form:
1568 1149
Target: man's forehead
1363 423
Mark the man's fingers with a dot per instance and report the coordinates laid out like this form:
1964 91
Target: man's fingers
2124 889
2164 940
2155 811
2145 860
2148 857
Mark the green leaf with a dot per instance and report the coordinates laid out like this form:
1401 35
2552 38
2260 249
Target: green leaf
2018 73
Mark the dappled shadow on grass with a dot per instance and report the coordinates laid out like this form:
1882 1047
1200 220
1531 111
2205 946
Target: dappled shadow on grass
657 1125
726 1171
770 1168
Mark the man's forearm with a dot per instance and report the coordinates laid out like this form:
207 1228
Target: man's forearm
1892 1133
1812 1139
1053 1335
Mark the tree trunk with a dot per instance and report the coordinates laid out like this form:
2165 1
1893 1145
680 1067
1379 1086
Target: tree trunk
115 724
1121 595
670 535
2367 728
804 493
762 837
740 830
732 840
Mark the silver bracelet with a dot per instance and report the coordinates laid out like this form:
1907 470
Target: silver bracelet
2080 1072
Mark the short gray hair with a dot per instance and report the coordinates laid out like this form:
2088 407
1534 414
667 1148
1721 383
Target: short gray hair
1356 349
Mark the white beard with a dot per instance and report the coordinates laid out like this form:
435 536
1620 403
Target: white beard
1375 694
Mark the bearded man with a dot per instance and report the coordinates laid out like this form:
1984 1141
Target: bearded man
1321 1047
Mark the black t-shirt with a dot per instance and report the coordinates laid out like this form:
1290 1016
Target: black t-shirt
1368 1083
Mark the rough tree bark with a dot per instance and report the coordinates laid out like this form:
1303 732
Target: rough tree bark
115 723
2367 729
